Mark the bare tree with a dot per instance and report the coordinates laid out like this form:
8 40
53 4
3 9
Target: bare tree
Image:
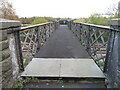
119 7
7 11
114 10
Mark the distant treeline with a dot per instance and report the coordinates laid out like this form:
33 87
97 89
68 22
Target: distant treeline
7 12
36 20
97 19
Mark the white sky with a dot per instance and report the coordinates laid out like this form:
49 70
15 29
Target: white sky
61 8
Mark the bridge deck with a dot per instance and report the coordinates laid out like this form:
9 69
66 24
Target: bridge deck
62 44
59 58
64 57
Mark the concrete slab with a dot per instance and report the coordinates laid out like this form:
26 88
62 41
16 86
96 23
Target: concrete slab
42 68
4 23
80 68
63 67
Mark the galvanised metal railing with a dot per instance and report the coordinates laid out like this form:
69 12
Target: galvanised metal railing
28 40
95 39
33 37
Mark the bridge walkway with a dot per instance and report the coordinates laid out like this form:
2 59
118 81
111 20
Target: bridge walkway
62 44
62 56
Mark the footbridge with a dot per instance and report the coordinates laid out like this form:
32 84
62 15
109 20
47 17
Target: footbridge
79 55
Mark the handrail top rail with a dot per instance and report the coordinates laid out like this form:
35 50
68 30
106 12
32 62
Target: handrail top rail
32 26
28 27
99 26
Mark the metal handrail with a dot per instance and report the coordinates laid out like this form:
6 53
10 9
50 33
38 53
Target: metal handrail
93 38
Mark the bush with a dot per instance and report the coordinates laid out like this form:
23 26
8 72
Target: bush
39 20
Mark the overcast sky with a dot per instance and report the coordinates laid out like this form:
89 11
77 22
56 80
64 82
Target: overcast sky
61 8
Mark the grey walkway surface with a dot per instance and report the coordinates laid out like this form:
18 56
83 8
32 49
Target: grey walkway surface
62 44
63 67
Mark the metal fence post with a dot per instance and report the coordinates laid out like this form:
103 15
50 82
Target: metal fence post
88 40
19 50
49 29
38 38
